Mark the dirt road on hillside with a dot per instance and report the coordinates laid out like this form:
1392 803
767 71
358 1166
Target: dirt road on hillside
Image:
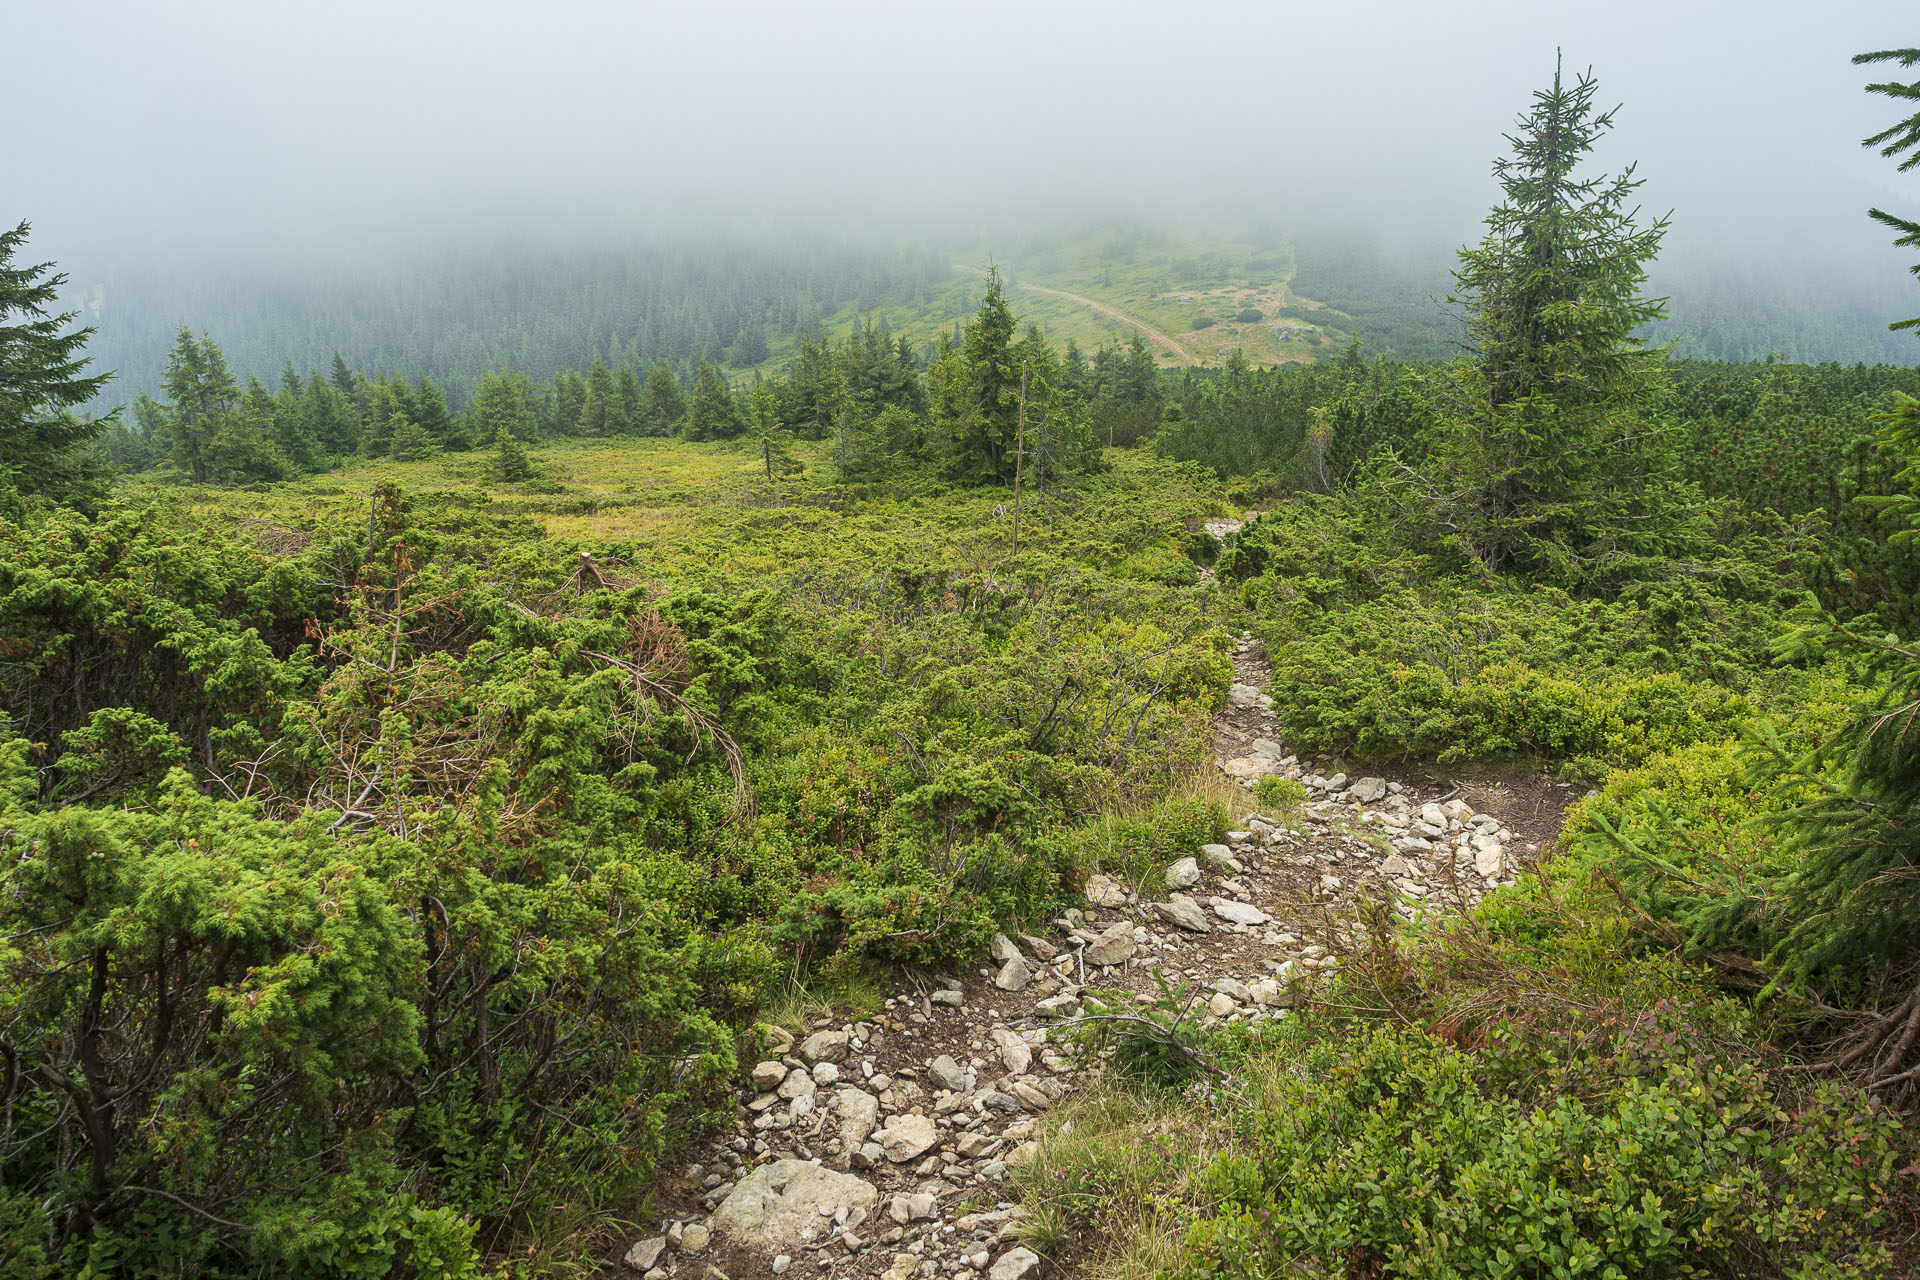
1182 358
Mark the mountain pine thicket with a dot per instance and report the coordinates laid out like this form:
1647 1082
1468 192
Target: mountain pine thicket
415 801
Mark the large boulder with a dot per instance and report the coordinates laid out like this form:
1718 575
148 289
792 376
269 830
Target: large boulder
772 1206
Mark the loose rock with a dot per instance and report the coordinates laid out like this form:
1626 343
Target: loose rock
1115 946
774 1204
908 1138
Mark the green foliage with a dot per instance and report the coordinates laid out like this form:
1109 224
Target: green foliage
1901 141
1385 653
1280 799
1391 1153
712 414
458 863
1543 434
512 464
1852 900
46 446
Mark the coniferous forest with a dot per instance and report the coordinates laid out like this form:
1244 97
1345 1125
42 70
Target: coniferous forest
766 761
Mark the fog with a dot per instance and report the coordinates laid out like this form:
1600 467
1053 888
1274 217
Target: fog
199 123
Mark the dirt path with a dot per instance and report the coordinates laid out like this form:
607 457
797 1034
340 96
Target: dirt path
1182 358
881 1147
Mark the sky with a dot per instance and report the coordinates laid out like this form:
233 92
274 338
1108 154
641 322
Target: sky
197 125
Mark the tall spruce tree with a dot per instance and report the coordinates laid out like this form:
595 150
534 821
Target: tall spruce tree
1547 426
202 397
47 445
978 399
504 402
771 437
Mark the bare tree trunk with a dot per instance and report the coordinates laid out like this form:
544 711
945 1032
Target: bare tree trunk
1019 456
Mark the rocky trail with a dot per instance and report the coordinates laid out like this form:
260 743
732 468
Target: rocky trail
880 1147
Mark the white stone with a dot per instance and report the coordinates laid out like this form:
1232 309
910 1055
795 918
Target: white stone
779 1205
908 1138
1368 790
1184 874
768 1075
1237 912
1183 912
645 1253
859 1113
1103 891
824 1046
1014 975
1488 857
1014 1264
1115 946
911 1208
1015 1054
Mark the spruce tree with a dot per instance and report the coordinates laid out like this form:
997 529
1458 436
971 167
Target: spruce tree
431 416
629 403
511 463
504 401
713 415
47 445
569 400
201 396
408 440
1853 902
772 438
1546 427
979 401
666 405
1900 141
596 412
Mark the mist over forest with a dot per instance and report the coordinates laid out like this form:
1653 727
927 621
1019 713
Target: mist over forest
1018 642
243 174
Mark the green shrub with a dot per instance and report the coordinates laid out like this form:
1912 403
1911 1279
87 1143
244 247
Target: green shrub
1251 315
1281 799
1388 1153
1137 847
